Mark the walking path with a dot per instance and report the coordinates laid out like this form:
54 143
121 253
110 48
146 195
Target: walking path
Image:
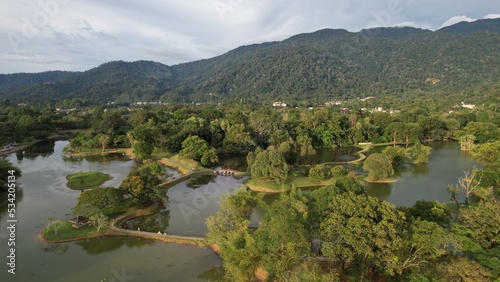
116 223
115 228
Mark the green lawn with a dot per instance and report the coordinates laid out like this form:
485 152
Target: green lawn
66 231
297 177
85 180
181 164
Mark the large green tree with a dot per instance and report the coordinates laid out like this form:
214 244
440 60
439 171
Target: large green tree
229 231
283 236
378 166
363 232
270 164
198 149
98 199
143 184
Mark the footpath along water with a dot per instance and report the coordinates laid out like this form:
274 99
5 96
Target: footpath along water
42 194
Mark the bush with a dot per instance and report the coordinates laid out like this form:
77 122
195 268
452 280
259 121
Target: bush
339 171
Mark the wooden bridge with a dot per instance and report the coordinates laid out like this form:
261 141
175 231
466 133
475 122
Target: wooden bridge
225 171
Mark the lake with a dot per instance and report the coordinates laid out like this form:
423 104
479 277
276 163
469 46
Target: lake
44 195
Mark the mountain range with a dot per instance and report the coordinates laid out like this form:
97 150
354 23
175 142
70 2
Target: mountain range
318 66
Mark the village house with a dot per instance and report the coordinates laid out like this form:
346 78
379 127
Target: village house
279 104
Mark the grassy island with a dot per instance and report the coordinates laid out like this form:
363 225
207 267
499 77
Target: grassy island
86 180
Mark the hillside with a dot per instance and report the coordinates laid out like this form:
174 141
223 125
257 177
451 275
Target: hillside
315 66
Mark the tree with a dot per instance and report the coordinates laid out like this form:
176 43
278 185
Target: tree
98 220
468 184
396 130
396 154
432 211
93 200
362 231
54 225
483 131
271 164
418 153
197 149
467 142
478 230
104 139
143 184
282 236
142 139
488 154
426 242
319 172
209 157
193 147
483 223
339 171
306 147
237 140
378 167
229 230
433 127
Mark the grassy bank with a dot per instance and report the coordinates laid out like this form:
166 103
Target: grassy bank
86 180
67 232
97 151
296 179
181 164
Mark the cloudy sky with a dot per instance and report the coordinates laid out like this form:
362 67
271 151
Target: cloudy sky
40 35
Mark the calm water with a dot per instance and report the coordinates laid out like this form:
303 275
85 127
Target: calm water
44 195
190 203
426 181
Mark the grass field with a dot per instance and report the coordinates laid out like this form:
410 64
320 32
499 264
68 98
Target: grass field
65 231
181 164
85 180
297 177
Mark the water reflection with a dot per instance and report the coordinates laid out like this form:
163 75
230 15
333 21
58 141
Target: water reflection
425 181
238 163
420 169
379 190
56 248
101 245
201 180
335 155
41 149
159 222
213 274
104 159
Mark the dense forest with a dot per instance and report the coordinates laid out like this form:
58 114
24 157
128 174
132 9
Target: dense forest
314 67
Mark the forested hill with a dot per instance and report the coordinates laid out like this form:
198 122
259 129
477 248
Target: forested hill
317 66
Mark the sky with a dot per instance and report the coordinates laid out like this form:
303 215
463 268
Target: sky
76 35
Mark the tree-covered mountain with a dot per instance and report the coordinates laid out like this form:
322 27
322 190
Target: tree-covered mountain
10 82
316 66
492 25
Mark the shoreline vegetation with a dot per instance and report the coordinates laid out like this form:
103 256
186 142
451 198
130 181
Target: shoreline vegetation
188 168
23 146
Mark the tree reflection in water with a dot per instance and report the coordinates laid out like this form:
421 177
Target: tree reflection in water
101 245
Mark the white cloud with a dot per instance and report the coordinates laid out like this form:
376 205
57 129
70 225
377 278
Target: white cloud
492 16
84 34
457 19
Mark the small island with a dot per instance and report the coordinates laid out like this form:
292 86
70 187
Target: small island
86 180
